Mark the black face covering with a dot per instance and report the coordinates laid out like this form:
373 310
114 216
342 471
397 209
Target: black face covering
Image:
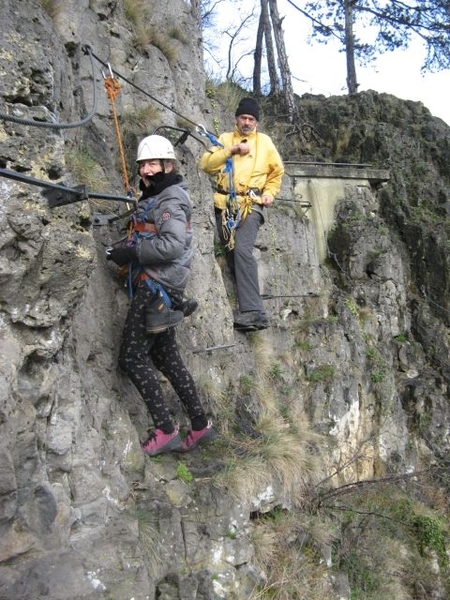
156 178
159 182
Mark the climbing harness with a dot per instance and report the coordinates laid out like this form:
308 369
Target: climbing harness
236 210
231 215
133 273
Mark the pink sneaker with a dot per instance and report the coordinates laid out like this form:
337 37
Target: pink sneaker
194 438
160 442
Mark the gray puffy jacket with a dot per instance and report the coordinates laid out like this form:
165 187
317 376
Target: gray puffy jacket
166 253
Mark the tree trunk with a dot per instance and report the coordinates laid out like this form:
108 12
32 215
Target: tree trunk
352 85
271 63
283 61
258 54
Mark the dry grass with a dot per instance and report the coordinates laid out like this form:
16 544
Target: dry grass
176 33
139 15
246 478
390 544
143 120
90 173
149 537
144 37
137 10
289 557
278 458
86 169
226 94
287 450
217 400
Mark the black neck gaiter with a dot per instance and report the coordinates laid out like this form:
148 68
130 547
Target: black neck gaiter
159 182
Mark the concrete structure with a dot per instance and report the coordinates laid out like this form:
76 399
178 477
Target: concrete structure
318 187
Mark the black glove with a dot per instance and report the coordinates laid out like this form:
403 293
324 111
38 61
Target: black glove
122 256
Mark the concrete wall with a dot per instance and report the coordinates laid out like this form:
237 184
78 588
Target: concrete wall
319 187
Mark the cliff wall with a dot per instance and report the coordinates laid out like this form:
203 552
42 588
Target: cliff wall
349 384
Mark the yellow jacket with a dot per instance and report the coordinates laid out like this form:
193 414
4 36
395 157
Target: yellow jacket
261 169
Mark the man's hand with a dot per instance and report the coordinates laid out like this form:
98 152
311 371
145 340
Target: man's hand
266 200
241 149
122 256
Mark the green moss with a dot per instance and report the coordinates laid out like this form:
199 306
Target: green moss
321 373
246 384
276 371
184 474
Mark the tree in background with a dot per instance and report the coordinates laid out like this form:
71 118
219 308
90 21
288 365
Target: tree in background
382 25
245 40
228 34
264 37
271 23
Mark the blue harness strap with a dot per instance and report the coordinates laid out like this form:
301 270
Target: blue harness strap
233 211
201 129
232 215
136 272
158 289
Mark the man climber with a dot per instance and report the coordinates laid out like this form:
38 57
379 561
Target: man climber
248 172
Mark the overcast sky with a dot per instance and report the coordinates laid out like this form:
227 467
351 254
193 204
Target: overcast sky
397 73
321 69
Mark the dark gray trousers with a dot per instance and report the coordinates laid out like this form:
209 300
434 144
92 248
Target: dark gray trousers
141 355
241 261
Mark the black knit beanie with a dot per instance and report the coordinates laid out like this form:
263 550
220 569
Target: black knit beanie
248 106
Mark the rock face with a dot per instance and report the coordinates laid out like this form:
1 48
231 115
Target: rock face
352 376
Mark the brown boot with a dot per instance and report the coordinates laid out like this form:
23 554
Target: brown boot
159 317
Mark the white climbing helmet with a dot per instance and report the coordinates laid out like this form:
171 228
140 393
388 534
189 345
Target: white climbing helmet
153 147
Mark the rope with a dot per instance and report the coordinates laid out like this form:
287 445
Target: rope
55 125
112 89
88 50
117 74
231 216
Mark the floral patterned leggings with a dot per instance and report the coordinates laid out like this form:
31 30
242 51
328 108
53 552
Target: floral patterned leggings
141 354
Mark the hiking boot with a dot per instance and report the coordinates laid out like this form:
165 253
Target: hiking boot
159 317
160 442
251 320
188 306
194 438
263 322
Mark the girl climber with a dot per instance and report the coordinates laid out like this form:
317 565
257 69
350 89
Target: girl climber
159 260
